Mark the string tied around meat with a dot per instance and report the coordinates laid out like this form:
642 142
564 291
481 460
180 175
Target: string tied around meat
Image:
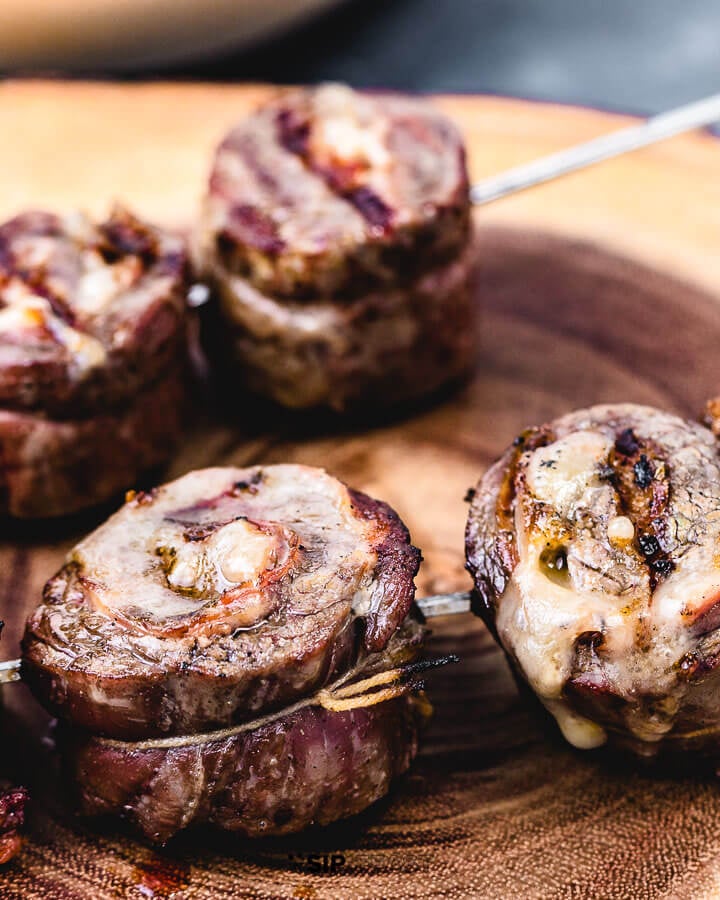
392 683
341 696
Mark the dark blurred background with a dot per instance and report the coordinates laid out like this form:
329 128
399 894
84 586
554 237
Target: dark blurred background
634 55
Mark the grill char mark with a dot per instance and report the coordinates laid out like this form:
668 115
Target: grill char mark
640 478
35 279
343 179
250 225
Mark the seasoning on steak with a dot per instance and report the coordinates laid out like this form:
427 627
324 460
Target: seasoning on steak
593 543
336 235
213 597
92 333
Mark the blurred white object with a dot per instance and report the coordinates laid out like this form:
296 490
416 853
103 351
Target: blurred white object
100 35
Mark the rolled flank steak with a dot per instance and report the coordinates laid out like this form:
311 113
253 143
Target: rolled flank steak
92 348
337 234
236 647
223 593
593 543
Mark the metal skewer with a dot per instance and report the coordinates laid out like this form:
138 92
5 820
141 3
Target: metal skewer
437 605
9 671
445 604
684 118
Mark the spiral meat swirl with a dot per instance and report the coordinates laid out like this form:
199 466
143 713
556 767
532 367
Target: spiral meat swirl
223 593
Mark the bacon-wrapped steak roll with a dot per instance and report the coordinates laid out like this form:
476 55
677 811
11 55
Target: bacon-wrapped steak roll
92 347
223 593
326 757
236 647
337 235
593 543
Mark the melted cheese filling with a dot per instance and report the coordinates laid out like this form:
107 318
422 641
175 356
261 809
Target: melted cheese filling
541 616
237 553
75 270
562 474
101 283
192 565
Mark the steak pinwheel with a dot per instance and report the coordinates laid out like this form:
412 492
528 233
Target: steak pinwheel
593 543
92 348
336 233
237 647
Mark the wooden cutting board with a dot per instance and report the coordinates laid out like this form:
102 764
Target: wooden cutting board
602 287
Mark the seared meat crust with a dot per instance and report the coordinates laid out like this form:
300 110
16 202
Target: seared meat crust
308 768
53 468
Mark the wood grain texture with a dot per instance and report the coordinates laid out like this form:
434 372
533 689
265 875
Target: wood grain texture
496 806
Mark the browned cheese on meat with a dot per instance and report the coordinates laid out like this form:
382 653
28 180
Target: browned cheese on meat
594 543
88 312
